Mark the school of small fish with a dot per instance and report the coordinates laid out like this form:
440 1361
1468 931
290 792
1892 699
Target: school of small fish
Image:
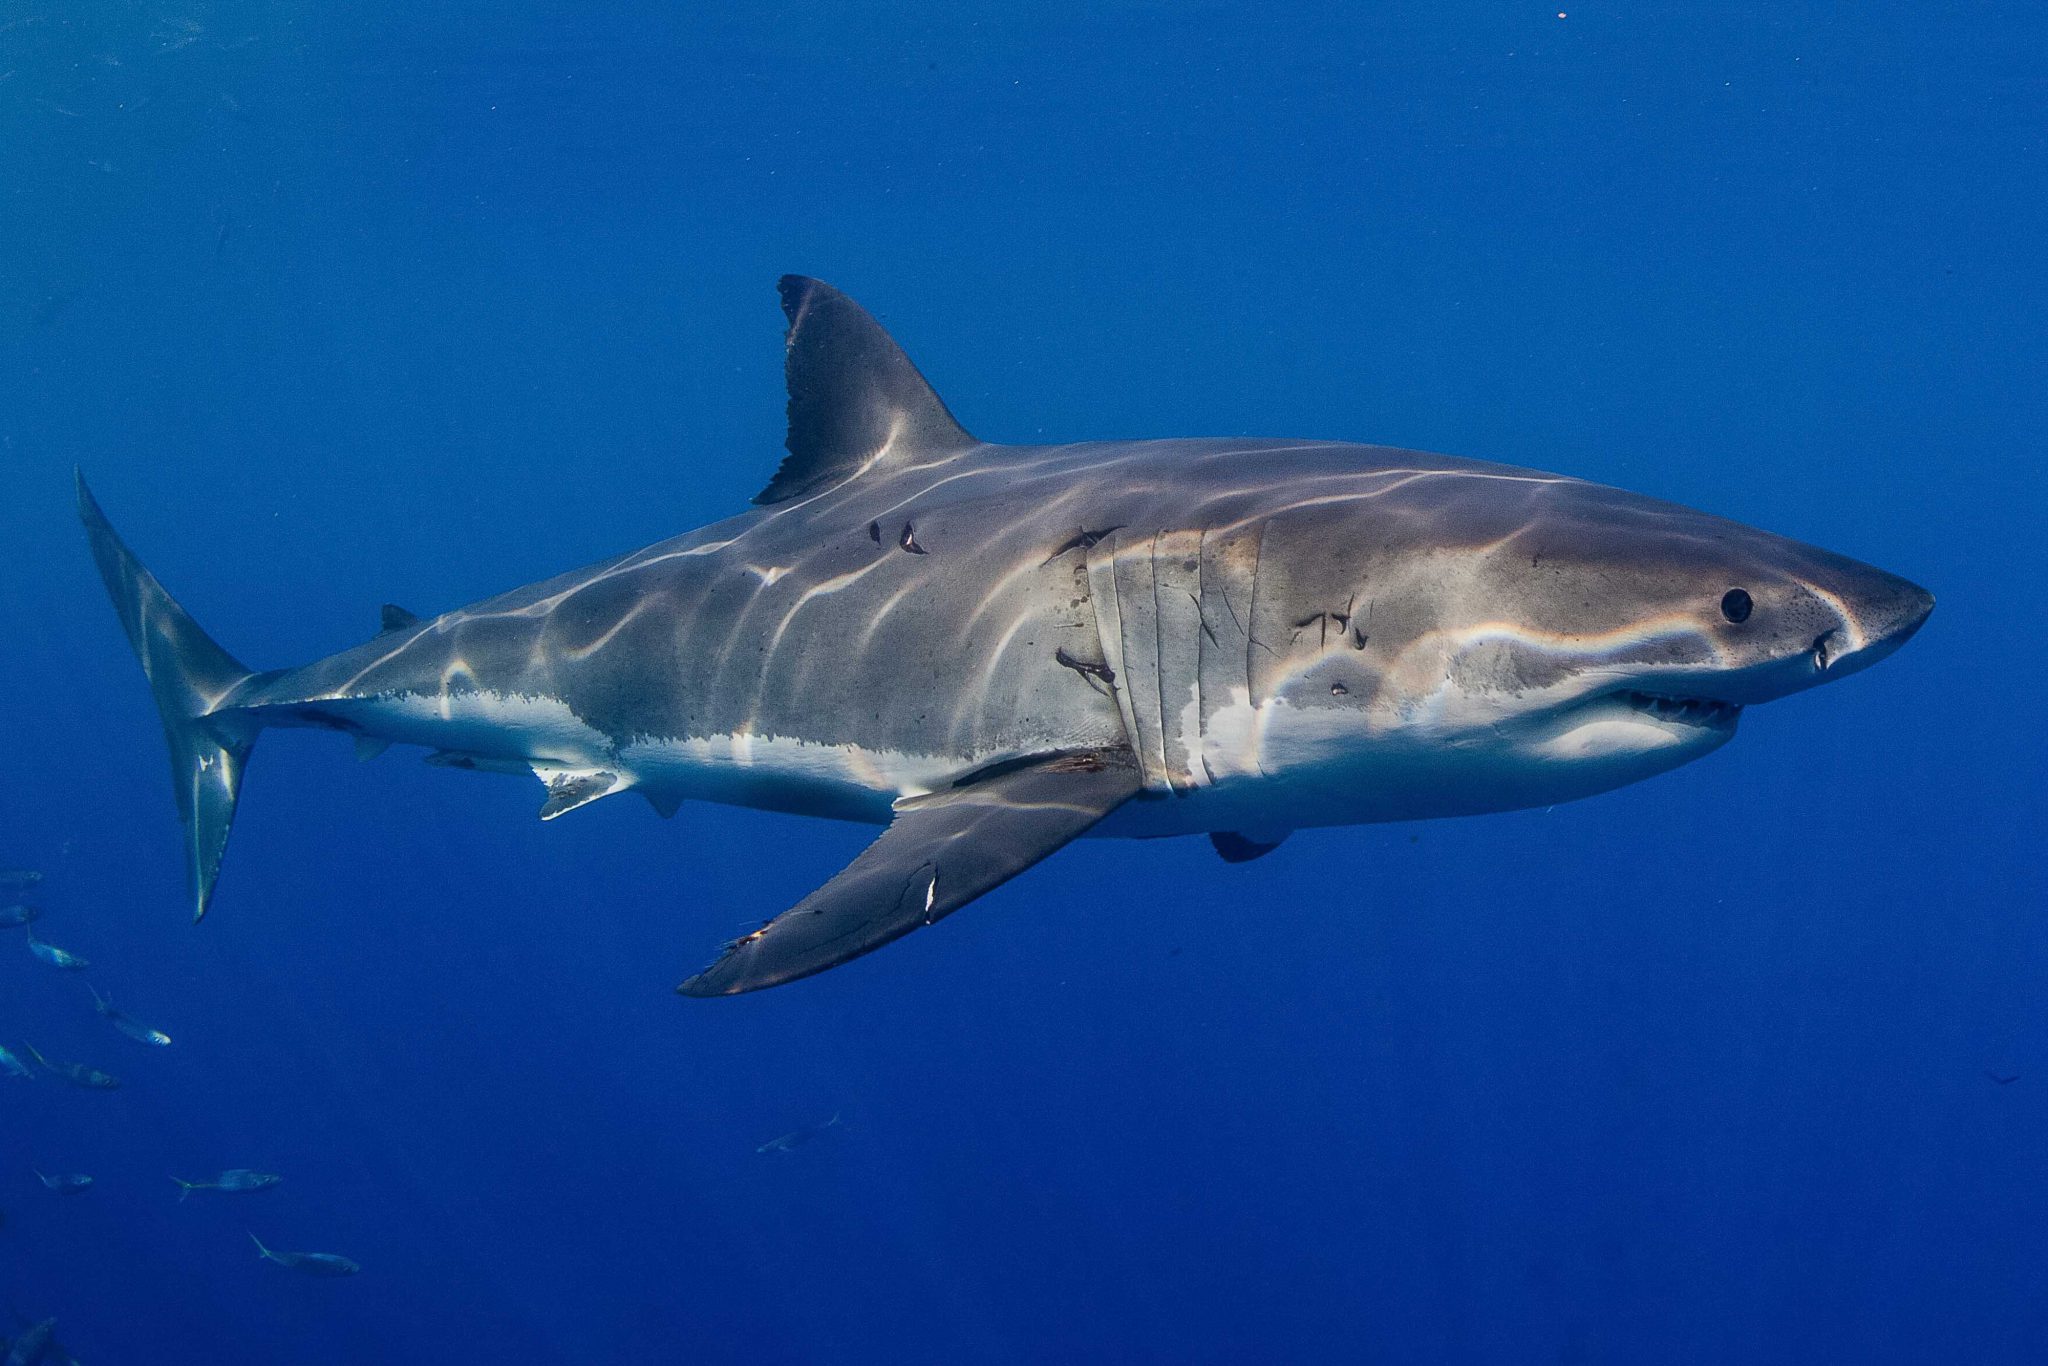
36 1342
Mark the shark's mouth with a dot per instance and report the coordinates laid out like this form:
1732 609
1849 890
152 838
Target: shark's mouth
1685 711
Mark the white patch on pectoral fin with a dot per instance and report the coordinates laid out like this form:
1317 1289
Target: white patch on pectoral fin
569 788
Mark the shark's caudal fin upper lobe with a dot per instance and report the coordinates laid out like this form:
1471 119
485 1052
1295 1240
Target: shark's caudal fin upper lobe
190 677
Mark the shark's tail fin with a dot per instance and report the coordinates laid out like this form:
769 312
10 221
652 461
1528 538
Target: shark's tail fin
190 676
185 1189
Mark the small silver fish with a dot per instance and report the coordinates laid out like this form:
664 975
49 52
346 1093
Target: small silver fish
54 956
13 1066
308 1263
19 879
127 1024
33 1345
235 1181
37 1346
77 1073
65 1183
796 1138
11 916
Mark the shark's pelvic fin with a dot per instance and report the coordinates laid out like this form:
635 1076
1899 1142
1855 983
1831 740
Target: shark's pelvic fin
1236 848
942 851
190 677
855 400
569 788
392 617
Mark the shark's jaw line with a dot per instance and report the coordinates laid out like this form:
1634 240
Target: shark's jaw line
1704 712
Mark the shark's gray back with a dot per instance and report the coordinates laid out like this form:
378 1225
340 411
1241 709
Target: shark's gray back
956 608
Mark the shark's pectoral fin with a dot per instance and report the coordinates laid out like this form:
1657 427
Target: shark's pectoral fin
569 788
942 851
1237 848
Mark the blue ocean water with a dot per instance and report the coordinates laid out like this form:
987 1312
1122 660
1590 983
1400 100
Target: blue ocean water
341 306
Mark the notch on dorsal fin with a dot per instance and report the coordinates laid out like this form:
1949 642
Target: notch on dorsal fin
392 617
854 397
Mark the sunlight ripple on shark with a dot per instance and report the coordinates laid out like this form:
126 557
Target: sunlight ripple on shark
992 650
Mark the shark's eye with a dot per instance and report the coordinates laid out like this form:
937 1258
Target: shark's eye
1736 605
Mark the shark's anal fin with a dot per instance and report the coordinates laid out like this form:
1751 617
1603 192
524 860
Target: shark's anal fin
942 851
855 400
480 763
1236 848
569 788
392 617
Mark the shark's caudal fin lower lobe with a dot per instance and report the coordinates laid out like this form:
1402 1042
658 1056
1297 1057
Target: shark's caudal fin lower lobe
190 676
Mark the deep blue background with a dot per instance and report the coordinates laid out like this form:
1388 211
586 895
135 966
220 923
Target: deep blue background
339 307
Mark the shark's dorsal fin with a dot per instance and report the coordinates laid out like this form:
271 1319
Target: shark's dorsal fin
855 399
392 617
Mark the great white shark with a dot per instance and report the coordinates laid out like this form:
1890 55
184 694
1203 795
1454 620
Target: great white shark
991 650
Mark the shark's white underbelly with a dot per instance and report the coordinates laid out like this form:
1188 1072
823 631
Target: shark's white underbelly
1265 768
778 772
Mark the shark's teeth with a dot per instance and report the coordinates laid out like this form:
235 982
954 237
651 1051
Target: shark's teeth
1692 711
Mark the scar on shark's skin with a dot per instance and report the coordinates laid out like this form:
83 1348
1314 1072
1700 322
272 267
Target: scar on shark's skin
1100 676
1244 631
1086 540
1343 618
909 541
1322 621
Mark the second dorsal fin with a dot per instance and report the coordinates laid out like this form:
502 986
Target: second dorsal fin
392 617
854 398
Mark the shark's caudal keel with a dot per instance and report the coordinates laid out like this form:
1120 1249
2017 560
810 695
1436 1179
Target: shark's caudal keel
993 650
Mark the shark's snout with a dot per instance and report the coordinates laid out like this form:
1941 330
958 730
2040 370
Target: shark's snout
1880 612
1899 612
